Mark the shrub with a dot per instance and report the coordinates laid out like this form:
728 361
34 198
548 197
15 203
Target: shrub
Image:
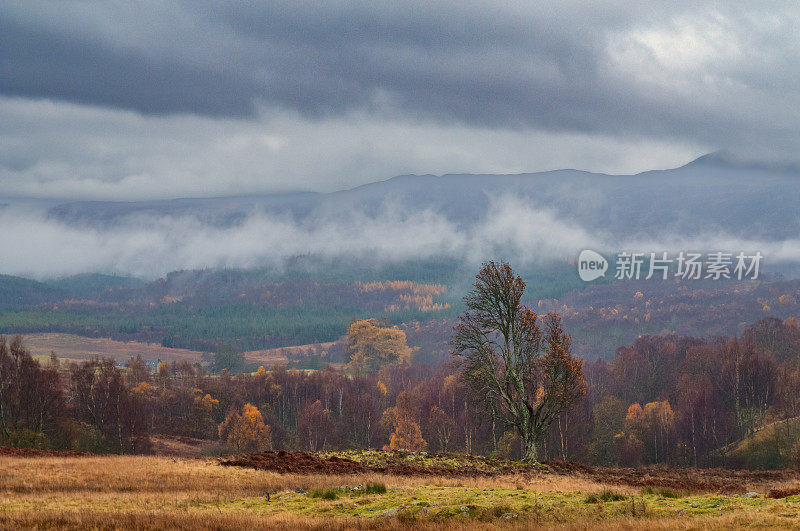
605 496
508 447
664 493
375 488
25 438
325 494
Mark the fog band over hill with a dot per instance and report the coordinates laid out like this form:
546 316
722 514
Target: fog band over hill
38 245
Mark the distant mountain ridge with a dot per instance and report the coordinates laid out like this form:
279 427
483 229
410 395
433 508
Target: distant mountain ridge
714 193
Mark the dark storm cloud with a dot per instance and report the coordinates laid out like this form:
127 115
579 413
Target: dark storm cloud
39 62
148 99
563 67
469 64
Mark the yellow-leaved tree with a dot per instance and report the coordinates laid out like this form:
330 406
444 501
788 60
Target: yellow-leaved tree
653 426
202 414
246 431
371 345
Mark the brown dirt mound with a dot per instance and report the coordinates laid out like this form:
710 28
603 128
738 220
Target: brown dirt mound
783 493
295 462
33 452
307 463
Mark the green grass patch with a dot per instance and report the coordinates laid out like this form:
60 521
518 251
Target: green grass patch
605 496
333 493
664 492
380 458
375 488
425 504
325 494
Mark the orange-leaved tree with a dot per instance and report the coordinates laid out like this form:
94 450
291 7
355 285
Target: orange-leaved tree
202 414
406 435
246 431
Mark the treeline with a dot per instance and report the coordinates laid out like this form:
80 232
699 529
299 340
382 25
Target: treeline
605 315
250 318
664 399
100 407
310 300
88 406
687 401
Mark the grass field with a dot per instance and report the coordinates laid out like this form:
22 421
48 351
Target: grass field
74 347
71 347
161 492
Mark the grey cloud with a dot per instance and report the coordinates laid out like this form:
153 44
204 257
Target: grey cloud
43 63
716 73
67 151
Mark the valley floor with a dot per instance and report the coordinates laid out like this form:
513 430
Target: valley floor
145 492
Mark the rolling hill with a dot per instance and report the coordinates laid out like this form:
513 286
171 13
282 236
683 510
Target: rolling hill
714 193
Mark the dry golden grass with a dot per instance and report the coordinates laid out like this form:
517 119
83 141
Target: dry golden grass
166 474
73 347
146 492
280 355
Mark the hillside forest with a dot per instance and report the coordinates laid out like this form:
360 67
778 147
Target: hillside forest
661 399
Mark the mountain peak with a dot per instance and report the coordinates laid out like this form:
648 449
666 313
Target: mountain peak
725 158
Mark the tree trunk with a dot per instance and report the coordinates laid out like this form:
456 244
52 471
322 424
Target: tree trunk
494 429
529 448
562 429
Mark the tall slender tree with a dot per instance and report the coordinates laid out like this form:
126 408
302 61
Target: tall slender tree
508 357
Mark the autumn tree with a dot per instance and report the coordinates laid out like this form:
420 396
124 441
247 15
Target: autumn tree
31 398
749 381
660 424
651 425
137 372
314 424
202 414
246 431
99 397
407 434
505 354
443 426
227 357
628 449
608 417
371 346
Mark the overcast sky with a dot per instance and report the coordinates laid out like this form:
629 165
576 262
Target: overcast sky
129 100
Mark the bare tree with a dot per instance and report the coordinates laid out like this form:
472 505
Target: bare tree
506 356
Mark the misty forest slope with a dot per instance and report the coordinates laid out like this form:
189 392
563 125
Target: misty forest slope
271 288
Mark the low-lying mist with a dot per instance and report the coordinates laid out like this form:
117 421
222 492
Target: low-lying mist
150 245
